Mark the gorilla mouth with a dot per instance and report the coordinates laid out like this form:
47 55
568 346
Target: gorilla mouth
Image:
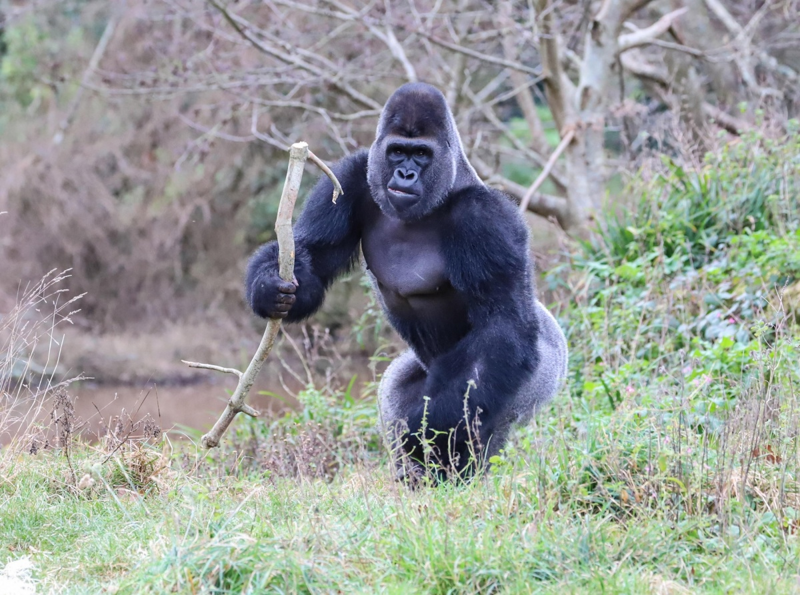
402 193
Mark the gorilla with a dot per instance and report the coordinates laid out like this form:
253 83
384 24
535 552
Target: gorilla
448 259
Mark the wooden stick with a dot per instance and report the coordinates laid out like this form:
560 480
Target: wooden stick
213 367
298 153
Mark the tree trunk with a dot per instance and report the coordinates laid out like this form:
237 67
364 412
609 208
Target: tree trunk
585 156
585 161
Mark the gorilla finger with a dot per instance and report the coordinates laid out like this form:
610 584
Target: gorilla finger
287 287
278 315
286 298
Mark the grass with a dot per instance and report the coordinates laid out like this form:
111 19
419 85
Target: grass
668 465
549 519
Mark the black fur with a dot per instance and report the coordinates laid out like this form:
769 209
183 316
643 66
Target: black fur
449 261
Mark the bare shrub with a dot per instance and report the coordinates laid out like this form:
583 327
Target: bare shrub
37 413
30 352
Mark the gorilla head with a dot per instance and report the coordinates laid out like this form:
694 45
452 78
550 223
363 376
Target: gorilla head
417 158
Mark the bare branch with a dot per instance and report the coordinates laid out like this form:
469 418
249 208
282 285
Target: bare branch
264 138
560 90
742 36
679 47
645 70
518 144
623 9
659 77
317 11
544 205
337 189
348 14
566 140
233 371
649 34
370 113
102 45
725 120
243 28
723 15
524 96
400 54
480 56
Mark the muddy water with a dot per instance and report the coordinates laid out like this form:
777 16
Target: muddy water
174 408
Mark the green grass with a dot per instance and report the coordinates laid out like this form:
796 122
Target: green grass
551 518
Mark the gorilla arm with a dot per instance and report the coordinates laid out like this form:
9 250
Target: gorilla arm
487 261
326 242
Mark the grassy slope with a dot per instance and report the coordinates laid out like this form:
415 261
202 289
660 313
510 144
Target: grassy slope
364 533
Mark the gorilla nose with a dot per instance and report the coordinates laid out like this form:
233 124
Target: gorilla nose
404 178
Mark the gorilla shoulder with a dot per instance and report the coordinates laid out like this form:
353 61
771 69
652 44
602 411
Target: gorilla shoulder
487 226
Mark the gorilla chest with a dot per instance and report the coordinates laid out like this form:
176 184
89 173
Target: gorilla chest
408 267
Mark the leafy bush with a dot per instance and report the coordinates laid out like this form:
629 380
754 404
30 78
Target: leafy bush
687 216
693 280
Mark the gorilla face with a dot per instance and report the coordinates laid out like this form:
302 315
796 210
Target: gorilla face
408 160
416 154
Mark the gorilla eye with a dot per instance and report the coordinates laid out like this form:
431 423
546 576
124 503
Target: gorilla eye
420 153
397 151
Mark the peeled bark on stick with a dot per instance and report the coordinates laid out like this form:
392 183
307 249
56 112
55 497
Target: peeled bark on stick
298 153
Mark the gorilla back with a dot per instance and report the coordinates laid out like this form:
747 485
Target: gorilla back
448 259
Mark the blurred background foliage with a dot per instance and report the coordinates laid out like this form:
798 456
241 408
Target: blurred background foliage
141 147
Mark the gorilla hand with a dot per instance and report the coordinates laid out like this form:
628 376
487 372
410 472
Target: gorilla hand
268 295
272 297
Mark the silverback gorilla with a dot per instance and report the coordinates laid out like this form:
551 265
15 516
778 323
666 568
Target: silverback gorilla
448 259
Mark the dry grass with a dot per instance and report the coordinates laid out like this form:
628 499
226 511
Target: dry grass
37 412
31 341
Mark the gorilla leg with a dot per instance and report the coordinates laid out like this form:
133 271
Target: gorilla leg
549 375
400 391
544 383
